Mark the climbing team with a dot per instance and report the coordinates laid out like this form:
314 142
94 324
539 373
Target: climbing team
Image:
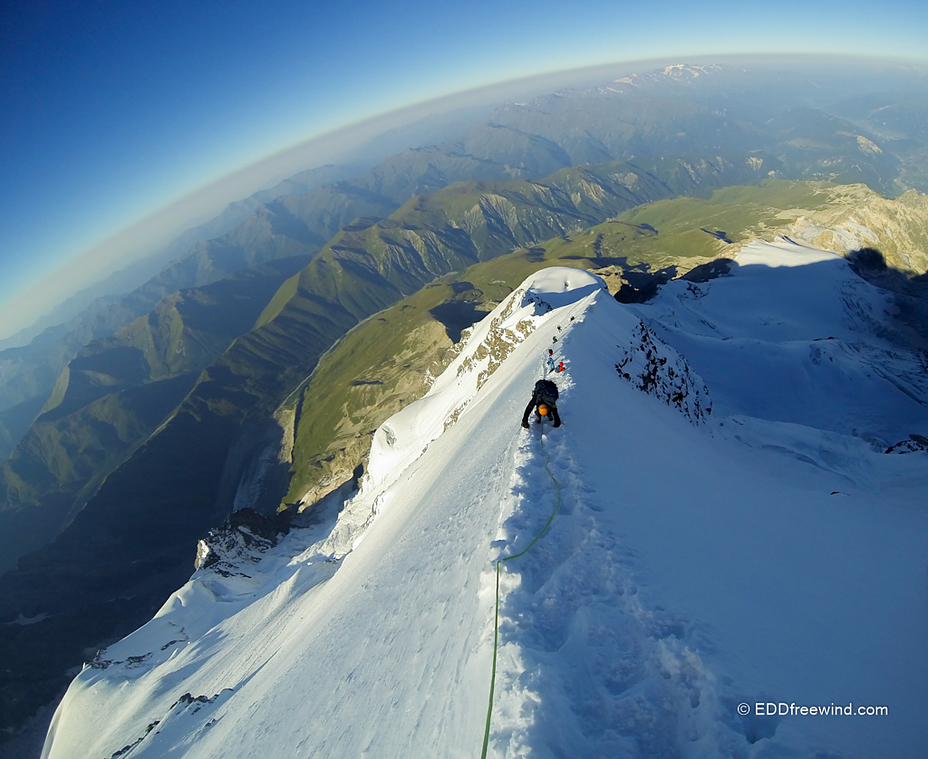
552 367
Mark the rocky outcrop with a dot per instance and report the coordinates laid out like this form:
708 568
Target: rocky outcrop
656 369
854 217
239 541
913 444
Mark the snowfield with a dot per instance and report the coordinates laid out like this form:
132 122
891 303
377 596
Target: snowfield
730 544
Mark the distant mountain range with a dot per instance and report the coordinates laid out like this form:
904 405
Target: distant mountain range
140 425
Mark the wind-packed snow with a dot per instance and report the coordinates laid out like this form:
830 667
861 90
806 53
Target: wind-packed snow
728 530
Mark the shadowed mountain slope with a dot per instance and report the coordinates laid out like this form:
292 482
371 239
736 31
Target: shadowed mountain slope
114 394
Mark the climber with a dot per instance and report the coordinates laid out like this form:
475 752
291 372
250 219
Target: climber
544 401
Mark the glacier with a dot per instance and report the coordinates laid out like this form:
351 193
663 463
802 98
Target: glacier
717 538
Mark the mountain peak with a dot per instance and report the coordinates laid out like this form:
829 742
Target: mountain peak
677 72
685 71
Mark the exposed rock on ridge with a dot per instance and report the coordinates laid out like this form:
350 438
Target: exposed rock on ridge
855 217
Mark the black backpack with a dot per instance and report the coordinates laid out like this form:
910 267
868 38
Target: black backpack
546 391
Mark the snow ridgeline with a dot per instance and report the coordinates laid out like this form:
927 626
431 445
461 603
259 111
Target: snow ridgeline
767 551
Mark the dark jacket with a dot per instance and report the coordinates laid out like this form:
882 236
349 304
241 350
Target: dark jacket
545 392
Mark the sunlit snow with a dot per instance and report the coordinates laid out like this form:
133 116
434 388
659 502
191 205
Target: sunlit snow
756 547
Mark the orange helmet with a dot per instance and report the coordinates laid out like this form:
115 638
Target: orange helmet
542 409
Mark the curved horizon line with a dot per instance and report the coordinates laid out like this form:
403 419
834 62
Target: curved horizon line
164 225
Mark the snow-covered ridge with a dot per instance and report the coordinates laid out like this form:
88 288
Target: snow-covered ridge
771 552
678 72
400 440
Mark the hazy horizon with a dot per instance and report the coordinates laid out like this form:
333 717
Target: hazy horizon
130 125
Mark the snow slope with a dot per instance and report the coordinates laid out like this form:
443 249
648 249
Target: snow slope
727 529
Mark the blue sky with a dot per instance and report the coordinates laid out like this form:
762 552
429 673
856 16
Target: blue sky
114 110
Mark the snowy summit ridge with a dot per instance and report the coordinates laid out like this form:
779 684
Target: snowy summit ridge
727 530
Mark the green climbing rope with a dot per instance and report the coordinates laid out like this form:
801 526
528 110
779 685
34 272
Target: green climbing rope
557 489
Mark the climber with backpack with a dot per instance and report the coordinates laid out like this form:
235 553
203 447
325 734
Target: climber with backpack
544 401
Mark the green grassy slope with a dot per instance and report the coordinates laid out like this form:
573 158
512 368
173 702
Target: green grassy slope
387 361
